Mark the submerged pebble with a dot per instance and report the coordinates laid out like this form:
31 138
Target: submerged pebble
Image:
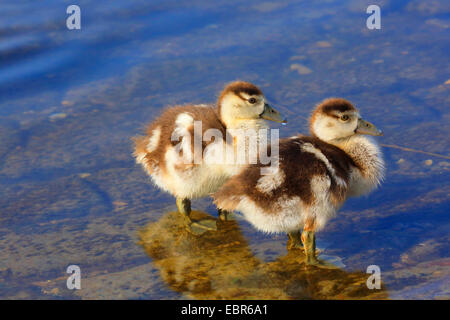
300 69
67 103
84 175
56 116
323 44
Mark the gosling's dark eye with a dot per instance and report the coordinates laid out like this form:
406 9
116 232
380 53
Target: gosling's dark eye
345 117
252 100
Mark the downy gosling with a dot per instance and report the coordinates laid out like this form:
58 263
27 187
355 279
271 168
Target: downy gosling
315 175
241 105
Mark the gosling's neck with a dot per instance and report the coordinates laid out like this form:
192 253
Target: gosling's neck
366 154
246 136
245 128
245 124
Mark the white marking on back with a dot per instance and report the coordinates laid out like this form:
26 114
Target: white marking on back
184 120
154 140
270 182
308 147
182 124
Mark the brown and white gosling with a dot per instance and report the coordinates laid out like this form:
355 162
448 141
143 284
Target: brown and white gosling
241 105
316 174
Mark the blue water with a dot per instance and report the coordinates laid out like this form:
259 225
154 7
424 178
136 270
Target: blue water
70 100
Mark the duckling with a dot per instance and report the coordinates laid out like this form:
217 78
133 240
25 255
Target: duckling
314 177
241 105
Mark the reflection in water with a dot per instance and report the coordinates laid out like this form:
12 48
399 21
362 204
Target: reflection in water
220 265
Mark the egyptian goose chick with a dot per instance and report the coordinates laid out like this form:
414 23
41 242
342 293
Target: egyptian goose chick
180 167
315 175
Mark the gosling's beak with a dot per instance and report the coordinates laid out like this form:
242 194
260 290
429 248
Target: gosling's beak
365 127
271 114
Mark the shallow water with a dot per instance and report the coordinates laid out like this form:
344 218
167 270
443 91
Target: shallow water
71 100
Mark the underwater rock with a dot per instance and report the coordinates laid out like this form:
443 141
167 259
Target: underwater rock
57 116
301 69
323 44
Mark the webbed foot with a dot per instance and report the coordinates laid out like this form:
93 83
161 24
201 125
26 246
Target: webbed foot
320 263
309 243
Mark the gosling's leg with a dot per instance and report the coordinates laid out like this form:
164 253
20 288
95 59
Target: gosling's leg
196 227
223 214
294 241
309 242
184 207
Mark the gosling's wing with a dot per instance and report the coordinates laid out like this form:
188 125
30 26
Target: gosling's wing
303 161
174 128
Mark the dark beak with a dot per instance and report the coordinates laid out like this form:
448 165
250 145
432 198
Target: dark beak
272 114
365 127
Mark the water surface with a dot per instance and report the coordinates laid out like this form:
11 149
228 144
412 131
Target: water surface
71 100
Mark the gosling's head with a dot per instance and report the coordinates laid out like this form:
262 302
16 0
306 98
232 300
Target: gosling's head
337 118
242 101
